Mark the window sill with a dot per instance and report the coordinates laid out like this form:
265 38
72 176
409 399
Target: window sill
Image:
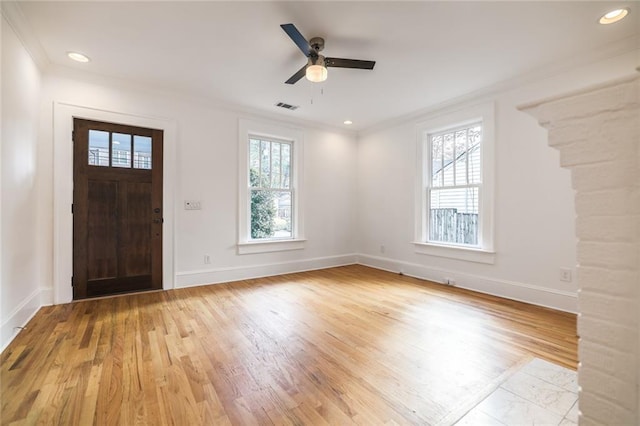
269 246
454 252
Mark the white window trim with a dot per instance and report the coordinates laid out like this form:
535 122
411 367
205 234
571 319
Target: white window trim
484 252
275 131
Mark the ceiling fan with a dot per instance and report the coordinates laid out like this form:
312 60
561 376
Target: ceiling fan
316 67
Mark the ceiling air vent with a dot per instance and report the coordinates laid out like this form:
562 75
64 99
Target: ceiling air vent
287 106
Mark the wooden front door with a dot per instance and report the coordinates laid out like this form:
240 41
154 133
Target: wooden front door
117 209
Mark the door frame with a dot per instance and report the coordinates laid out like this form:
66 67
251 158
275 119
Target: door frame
63 115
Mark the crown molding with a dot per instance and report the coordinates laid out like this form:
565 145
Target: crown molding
15 18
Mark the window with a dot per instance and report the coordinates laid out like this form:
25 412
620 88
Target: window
454 185
120 154
455 189
270 188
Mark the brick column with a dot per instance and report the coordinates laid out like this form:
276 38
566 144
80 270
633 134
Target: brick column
597 132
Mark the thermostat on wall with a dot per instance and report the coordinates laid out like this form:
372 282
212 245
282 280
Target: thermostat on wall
192 205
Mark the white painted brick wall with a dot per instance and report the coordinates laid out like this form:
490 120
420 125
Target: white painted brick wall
613 309
619 391
598 135
607 333
595 410
618 201
607 228
616 255
610 361
610 174
609 281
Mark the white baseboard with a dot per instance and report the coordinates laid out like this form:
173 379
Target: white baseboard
529 293
22 314
222 275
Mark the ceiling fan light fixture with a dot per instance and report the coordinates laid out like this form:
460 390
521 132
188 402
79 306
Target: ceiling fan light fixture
316 72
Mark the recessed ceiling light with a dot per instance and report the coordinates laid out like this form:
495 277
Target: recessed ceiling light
614 16
78 57
348 122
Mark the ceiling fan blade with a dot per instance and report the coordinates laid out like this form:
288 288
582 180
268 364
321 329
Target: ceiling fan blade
297 76
297 38
349 63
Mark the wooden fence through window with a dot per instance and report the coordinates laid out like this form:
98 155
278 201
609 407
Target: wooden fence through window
449 226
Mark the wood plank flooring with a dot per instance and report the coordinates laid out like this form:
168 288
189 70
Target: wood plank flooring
349 345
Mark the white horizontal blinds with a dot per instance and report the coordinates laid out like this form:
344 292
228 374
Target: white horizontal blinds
270 186
454 187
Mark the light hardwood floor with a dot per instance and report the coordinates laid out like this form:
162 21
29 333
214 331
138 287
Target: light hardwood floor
349 345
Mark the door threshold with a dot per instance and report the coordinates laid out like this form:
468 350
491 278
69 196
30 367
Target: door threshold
126 293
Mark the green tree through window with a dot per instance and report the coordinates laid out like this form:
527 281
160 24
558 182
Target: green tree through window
270 185
263 208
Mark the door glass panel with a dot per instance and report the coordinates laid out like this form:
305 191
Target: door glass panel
120 150
142 152
98 148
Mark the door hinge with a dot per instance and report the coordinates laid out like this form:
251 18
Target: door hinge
72 208
71 280
73 136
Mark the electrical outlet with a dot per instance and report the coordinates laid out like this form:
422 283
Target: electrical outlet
382 249
565 274
449 281
192 205
207 259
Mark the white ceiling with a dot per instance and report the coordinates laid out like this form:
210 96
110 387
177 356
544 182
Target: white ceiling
236 52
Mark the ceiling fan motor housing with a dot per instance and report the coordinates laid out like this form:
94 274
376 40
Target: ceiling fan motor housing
316 60
317 43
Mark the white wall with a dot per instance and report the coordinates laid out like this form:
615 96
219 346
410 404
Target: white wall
534 209
22 252
206 169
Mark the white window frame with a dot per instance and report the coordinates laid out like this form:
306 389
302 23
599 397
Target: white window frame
276 132
484 251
